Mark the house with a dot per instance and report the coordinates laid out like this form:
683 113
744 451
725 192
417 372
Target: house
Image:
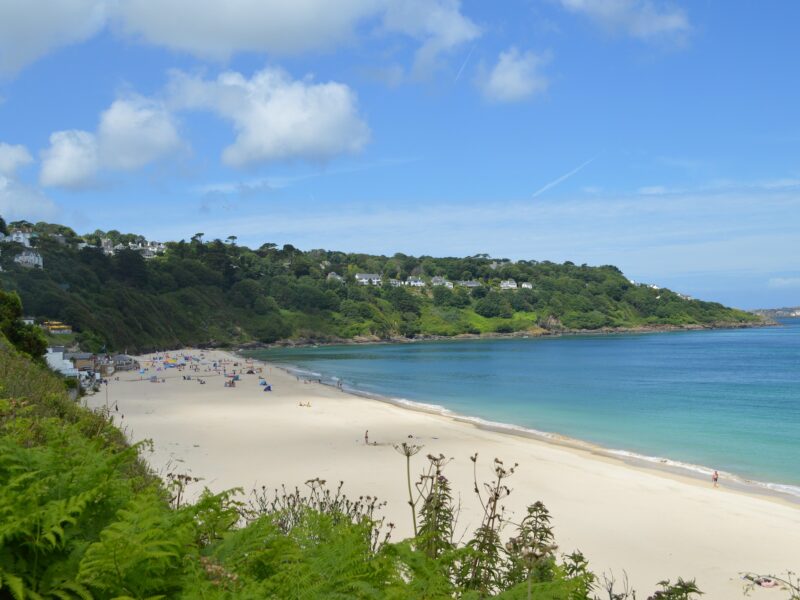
437 281
415 282
368 279
29 259
59 238
20 237
332 276
123 362
83 361
470 284
527 285
395 282
28 320
56 361
56 328
508 284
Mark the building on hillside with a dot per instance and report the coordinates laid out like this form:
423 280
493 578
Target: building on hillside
368 279
332 276
59 238
29 259
470 284
83 361
526 285
123 362
415 282
508 284
56 328
395 282
56 361
28 320
438 281
20 237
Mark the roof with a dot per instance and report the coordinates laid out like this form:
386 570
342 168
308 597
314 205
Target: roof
367 276
78 355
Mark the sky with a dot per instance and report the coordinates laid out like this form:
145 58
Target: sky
661 137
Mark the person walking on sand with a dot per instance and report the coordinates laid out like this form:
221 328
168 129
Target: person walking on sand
366 437
715 479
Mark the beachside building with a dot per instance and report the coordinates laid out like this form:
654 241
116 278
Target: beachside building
56 328
56 361
83 361
508 284
415 282
123 362
29 259
368 279
526 285
332 276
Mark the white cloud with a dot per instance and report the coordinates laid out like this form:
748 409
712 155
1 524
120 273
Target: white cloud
12 158
71 161
652 190
212 29
29 29
134 132
18 201
643 19
276 117
515 77
438 23
784 282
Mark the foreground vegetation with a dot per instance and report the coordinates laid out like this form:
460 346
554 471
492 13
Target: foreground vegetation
206 293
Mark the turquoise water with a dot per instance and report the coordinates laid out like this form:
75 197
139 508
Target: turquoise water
726 399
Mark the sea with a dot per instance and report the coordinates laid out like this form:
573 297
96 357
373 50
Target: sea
724 399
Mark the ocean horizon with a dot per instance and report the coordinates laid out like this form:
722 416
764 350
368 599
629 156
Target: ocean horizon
725 399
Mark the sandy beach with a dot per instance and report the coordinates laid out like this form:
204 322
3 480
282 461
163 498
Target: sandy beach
650 523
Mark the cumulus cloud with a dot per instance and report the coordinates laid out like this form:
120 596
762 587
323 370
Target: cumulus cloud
516 76
19 201
276 117
134 132
209 28
438 23
71 161
12 157
30 29
643 19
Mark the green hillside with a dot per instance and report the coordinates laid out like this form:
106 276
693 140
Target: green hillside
221 293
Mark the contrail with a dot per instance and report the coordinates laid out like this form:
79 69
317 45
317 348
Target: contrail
562 179
464 64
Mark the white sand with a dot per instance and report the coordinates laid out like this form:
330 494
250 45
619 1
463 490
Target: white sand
650 523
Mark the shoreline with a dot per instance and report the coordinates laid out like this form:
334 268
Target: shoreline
650 522
494 335
660 464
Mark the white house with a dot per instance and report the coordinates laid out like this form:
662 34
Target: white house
30 259
395 282
28 320
333 276
368 279
527 285
508 284
437 281
470 284
56 361
415 282
21 237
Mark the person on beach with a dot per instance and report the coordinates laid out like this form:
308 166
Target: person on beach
715 479
366 437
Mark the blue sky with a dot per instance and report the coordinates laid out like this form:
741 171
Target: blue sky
662 137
